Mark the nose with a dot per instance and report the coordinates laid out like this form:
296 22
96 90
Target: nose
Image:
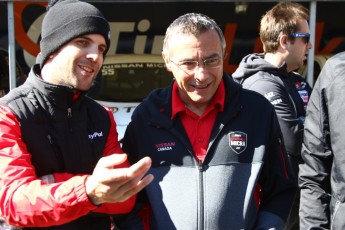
200 73
310 45
94 54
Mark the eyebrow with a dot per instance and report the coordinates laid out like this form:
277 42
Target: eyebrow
103 45
208 57
213 56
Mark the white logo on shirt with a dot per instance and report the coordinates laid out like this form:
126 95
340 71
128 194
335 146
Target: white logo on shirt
95 134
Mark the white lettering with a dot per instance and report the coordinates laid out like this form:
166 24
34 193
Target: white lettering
116 28
277 101
269 95
164 149
238 143
95 134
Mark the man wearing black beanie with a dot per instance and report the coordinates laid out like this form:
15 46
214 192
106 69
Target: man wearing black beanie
61 164
67 20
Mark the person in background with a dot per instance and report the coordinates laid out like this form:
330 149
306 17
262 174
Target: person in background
285 34
322 174
61 165
216 149
19 76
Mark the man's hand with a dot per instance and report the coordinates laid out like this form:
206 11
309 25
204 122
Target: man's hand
109 184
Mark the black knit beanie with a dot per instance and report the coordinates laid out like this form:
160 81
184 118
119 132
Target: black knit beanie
69 19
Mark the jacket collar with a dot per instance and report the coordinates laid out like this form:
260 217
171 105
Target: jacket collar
59 95
159 103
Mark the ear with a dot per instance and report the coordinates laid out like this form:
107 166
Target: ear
283 41
167 61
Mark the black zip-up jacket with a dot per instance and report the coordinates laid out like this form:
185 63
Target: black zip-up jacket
288 93
61 135
244 182
52 122
322 175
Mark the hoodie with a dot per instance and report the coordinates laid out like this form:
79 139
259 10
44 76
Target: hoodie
287 92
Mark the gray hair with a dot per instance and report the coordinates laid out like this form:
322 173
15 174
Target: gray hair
195 24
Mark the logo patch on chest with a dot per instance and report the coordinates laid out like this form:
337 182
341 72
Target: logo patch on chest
95 135
238 141
167 146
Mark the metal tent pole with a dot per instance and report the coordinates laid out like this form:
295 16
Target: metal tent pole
311 53
11 46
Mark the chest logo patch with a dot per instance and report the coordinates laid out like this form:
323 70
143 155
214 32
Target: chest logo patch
238 141
167 146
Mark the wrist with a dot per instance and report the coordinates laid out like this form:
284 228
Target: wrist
90 191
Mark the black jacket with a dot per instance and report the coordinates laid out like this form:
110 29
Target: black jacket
62 135
245 165
287 92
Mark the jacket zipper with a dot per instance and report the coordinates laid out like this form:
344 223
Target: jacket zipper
69 118
56 152
293 87
293 103
201 200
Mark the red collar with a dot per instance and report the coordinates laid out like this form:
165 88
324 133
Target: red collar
179 106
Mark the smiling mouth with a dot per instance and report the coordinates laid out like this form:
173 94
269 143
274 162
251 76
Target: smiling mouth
87 69
201 86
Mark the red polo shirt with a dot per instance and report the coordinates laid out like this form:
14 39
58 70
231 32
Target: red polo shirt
198 128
